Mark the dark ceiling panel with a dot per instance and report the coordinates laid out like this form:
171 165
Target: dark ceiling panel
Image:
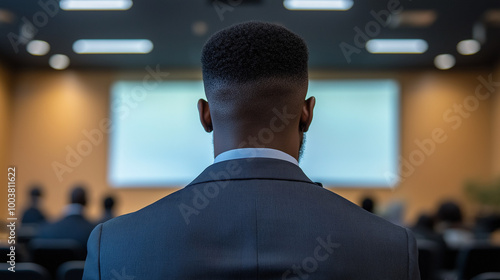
168 24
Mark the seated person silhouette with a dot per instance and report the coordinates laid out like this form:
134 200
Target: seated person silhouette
450 225
73 224
33 215
108 204
253 213
368 204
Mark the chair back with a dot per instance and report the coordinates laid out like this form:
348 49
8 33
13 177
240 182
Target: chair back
25 271
72 270
428 259
478 259
487 276
51 253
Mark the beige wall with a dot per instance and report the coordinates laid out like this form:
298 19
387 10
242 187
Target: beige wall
496 127
52 109
4 132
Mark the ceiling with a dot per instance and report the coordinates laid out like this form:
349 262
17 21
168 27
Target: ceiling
170 24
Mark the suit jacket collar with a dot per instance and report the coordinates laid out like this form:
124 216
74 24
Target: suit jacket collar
252 168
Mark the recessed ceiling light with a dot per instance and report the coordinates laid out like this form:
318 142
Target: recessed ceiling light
331 5
6 16
38 47
95 46
492 17
410 46
444 61
70 5
59 61
199 28
416 18
468 47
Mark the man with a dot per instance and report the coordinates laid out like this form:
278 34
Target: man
33 215
253 214
73 225
108 204
368 204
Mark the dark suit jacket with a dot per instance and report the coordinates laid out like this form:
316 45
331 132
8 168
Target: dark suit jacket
33 215
251 219
74 227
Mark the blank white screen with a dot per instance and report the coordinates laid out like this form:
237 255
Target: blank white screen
157 140
353 139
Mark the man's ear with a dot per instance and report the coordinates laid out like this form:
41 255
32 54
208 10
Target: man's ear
306 115
205 118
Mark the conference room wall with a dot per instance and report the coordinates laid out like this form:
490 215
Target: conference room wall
496 128
51 110
4 133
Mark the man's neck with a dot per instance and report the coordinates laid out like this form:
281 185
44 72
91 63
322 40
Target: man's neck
222 144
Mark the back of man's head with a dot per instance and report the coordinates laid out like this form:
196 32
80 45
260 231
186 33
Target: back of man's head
368 204
450 212
253 67
35 192
108 203
78 196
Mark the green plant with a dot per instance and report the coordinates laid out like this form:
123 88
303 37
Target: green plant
484 194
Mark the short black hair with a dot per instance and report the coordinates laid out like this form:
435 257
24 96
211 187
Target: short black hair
108 202
368 204
253 50
78 195
36 191
450 212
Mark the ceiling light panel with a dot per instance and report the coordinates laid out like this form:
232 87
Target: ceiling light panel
400 46
329 5
72 5
118 46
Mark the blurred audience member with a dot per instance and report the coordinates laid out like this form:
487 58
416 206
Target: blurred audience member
424 229
486 223
368 204
73 225
450 225
394 213
108 204
428 239
33 215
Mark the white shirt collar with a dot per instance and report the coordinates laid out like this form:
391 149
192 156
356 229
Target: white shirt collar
255 153
73 209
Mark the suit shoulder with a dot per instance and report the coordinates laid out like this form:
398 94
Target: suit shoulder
359 215
163 206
